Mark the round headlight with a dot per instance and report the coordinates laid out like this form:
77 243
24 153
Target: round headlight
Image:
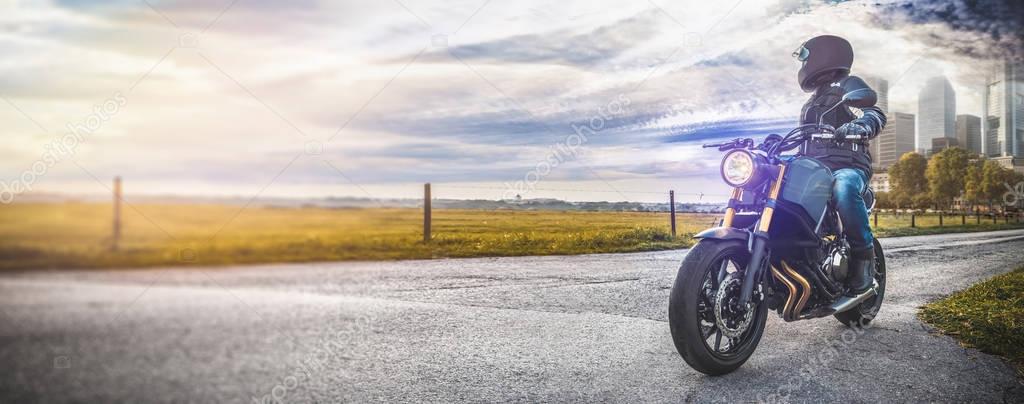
738 168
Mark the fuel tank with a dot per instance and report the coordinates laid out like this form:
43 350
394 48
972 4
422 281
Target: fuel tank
806 190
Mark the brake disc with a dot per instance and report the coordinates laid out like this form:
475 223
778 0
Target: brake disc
735 324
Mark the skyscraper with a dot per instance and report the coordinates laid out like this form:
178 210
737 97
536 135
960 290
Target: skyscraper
881 87
896 139
1003 111
936 112
942 143
968 132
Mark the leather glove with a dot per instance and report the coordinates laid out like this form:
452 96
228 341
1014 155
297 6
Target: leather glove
851 129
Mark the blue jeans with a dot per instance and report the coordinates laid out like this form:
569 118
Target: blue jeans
847 191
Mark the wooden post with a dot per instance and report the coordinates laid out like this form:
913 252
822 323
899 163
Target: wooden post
977 216
426 212
876 218
672 210
940 219
963 220
995 220
913 220
116 239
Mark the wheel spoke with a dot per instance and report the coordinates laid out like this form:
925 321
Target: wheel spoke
711 330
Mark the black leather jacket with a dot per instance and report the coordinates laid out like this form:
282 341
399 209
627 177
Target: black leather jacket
846 154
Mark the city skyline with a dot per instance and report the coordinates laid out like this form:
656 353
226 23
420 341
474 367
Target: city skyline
1002 99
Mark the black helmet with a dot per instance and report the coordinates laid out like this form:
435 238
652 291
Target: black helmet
825 58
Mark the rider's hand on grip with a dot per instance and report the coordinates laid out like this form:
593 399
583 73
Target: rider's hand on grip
851 130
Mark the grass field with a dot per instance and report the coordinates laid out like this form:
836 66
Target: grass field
988 316
78 235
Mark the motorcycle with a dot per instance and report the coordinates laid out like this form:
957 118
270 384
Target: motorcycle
780 247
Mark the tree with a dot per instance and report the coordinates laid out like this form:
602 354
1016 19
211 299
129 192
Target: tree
972 182
946 173
921 201
908 181
883 200
993 182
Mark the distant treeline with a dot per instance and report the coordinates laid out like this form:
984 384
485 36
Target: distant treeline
555 204
951 179
361 203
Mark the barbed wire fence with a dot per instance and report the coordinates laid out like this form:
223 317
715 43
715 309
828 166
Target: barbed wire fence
670 205
713 206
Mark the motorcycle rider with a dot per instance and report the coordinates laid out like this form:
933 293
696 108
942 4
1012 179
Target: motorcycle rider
825 72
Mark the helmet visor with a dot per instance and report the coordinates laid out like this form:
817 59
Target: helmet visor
802 53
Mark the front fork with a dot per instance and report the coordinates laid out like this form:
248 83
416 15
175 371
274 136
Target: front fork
759 244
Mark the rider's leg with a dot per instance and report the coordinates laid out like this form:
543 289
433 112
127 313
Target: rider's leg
847 191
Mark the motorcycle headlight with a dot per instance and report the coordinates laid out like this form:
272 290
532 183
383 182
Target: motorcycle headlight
738 168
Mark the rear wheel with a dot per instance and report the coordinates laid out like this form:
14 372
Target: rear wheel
866 311
711 331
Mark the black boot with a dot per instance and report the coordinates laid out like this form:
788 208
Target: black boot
861 271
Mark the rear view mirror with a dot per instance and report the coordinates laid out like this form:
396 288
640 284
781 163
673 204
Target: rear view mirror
860 98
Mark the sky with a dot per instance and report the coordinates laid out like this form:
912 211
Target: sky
576 100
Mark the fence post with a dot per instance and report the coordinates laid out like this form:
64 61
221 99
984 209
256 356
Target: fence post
116 239
426 212
963 220
977 216
876 218
913 219
995 219
940 219
672 209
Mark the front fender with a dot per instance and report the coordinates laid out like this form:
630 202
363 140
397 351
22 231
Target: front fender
724 233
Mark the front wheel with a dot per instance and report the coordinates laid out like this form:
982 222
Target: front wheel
711 331
866 311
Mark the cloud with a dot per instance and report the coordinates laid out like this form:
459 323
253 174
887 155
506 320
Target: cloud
590 49
706 131
1002 21
516 79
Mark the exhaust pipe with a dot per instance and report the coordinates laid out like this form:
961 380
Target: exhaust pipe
845 303
795 305
790 298
805 292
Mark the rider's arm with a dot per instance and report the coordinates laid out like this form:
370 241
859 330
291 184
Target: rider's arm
873 119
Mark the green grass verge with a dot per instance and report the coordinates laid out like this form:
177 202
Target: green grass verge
988 316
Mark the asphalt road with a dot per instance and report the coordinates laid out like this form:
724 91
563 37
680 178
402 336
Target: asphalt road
583 328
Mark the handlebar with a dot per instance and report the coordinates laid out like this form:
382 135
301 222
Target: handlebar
793 139
732 144
832 136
